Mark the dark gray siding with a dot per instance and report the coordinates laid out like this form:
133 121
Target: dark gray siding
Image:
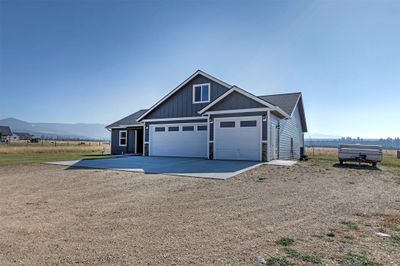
131 141
236 100
181 103
290 128
115 148
129 148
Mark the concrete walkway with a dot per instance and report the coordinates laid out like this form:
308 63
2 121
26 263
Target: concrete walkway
193 167
281 162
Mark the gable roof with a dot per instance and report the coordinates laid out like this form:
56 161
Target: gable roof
195 74
130 120
247 94
288 103
5 131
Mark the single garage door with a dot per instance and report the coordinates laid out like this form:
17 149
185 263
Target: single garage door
237 138
179 140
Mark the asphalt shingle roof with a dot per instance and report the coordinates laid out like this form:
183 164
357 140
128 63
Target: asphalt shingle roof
5 131
128 120
287 101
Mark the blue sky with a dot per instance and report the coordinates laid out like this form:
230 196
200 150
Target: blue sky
97 61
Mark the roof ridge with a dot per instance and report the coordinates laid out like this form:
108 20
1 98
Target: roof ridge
287 93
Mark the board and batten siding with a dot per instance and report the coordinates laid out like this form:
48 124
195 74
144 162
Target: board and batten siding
129 148
236 100
290 129
180 104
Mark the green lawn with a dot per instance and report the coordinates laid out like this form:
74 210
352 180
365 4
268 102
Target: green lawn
29 158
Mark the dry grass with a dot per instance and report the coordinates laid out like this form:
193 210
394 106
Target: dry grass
334 152
54 147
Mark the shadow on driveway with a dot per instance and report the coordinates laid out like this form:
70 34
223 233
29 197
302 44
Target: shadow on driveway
215 169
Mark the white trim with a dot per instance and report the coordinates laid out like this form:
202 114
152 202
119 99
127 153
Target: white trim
208 137
235 111
247 94
239 118
144 139
124 126
268 136
126 138
201 93
175 119
135 141
198 72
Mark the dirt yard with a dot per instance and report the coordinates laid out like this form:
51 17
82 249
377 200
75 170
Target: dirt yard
306 214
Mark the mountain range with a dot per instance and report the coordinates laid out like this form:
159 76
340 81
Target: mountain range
58 130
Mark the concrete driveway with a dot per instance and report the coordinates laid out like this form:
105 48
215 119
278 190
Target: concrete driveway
215 169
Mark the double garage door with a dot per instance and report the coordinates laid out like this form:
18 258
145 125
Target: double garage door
234 139
179 140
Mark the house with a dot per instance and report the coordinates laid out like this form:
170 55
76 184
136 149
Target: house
5 134
22 136
205 117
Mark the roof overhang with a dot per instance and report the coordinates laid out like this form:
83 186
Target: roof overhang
198 72
270 106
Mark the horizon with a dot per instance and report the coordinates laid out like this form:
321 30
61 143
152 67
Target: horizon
60 65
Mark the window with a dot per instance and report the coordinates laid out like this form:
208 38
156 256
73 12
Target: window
227 124
201 93
252 123
173 128
160 129
201 128
122 137
187 128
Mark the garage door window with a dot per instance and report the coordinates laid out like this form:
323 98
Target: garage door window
187 128
252 123
227 124
160 129
173 128
201 128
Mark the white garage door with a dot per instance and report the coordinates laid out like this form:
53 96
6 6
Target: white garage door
179 140
237 138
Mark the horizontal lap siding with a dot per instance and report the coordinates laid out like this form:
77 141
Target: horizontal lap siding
181 104
290 128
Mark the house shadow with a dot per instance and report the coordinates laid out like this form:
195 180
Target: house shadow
164 165
357 166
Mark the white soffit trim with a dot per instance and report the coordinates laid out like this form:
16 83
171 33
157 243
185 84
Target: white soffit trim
175 119
124 126
247 94
180 86
236 111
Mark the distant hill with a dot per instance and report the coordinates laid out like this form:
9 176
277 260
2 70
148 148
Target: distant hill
58 130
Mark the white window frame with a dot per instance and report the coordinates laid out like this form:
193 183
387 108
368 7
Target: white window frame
126 138
201 92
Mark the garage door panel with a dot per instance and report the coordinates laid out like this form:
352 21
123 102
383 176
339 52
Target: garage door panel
239 140
179 140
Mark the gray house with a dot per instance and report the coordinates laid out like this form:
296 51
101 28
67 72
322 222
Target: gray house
5 133
205 117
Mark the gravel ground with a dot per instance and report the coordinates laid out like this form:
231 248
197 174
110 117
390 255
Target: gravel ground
51 215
